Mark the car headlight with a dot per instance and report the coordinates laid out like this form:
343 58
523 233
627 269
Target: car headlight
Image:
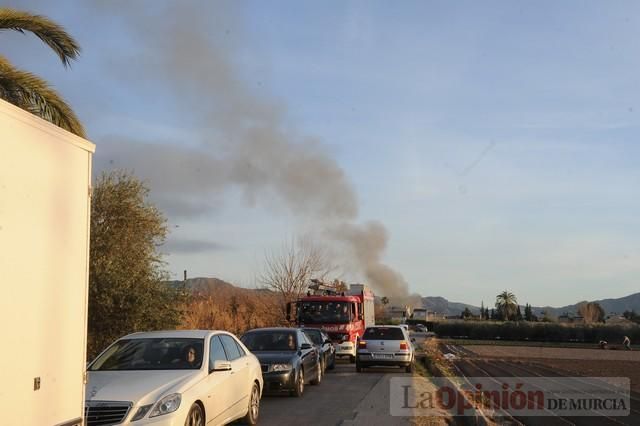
142 411
280 367
166 405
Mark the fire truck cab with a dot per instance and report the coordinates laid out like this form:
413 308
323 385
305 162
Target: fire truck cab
342 315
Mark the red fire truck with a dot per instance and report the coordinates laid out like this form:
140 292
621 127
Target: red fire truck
343 315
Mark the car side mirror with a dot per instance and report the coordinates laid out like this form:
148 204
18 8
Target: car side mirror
219 365
328 341
413 339
305 346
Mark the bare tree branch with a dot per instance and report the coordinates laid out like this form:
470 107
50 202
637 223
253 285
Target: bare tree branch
288 270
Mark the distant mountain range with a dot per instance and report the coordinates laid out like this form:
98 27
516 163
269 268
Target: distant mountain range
443 306
435 303
203 284
211 286
610 306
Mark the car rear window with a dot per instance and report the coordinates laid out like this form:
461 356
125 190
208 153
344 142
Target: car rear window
314 336
383 333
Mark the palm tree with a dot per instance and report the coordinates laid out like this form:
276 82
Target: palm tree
507 304
28 91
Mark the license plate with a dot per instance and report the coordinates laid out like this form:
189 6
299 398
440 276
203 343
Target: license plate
383 356
345 348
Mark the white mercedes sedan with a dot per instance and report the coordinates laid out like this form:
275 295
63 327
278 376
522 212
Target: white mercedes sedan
192 378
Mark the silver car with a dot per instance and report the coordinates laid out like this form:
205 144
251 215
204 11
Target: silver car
385 345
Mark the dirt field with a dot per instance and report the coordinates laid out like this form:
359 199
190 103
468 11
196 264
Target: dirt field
553 353
549 363
630 369
582 362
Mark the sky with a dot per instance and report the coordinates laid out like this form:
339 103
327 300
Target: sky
495 143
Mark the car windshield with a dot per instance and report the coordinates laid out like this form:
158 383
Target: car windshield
325 312
315 336
151 354
270 341
383 333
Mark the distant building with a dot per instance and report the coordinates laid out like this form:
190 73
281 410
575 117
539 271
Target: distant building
398 313
570 318
435 316
419 314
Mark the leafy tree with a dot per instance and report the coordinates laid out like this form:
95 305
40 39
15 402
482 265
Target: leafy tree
518 314
466 313
548 317
506 304
384 300
591 312
631 315
528 313
486 313
498 316
28 91
127 283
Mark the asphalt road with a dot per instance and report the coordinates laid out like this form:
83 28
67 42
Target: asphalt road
343 398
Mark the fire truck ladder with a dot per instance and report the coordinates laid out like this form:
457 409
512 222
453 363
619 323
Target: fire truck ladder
321 288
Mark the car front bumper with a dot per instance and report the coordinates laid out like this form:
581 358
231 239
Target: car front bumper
166 420
279 381
177 418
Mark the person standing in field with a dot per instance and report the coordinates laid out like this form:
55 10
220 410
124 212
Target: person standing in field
626 343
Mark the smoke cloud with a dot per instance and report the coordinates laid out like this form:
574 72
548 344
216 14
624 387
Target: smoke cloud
244 138
369 242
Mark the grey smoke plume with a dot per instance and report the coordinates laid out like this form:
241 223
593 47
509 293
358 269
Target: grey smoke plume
245 140
369 242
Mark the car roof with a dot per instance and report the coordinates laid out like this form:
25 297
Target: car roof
385 326
194 334
272 329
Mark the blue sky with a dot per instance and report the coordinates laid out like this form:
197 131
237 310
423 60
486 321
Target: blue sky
496 141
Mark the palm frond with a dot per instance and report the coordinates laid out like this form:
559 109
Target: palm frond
33 94
46 30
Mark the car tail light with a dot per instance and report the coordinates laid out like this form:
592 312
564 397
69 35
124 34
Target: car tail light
403 345
362 344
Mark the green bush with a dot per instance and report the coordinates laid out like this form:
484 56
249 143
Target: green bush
536 331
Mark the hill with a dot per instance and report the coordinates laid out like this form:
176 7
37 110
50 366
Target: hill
442 305
610 306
